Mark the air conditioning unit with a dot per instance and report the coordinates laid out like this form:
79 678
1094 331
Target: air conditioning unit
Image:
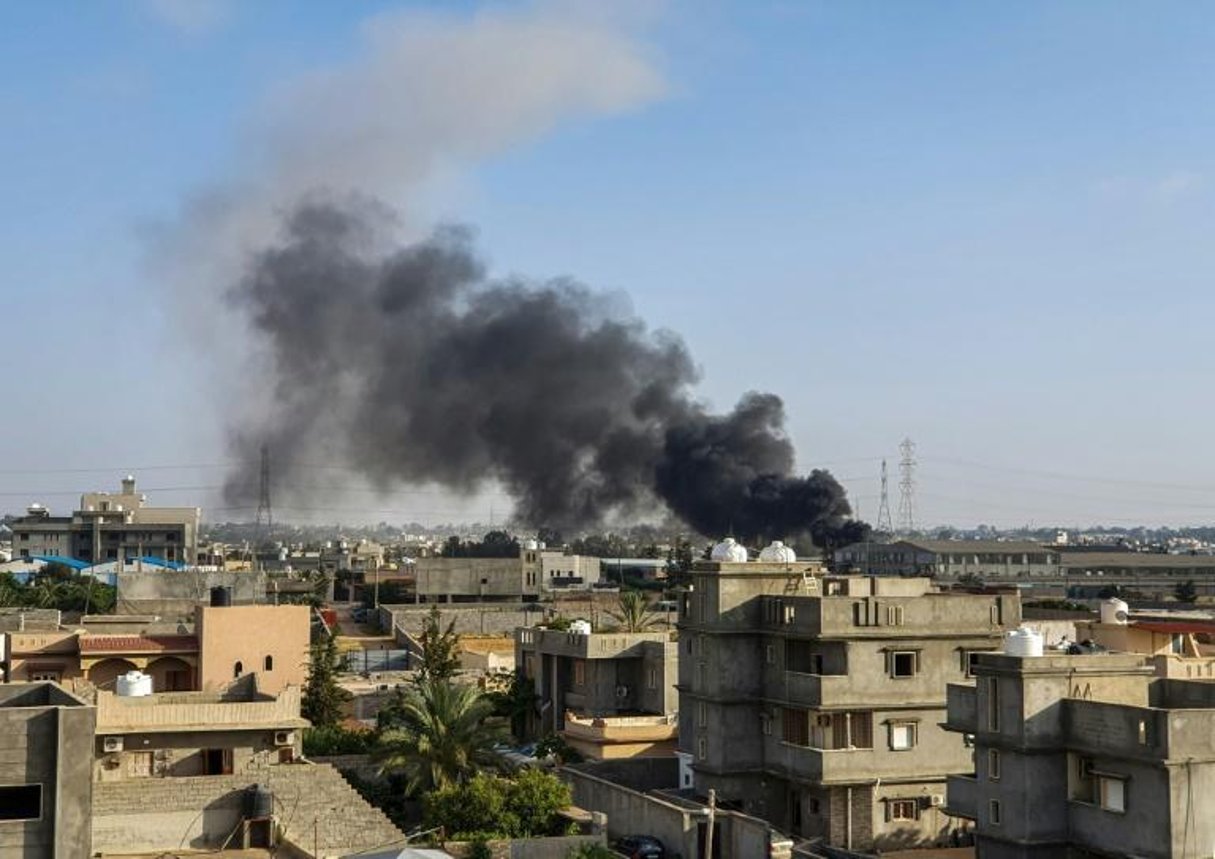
111 744
284 738
936 800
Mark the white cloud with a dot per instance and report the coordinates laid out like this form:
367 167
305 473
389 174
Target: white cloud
189 16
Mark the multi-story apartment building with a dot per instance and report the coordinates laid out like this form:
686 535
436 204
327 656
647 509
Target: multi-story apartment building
109 526
950 559
610 694
815 701
1079 756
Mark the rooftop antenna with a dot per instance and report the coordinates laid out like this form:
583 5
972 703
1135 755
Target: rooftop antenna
884 525
907 486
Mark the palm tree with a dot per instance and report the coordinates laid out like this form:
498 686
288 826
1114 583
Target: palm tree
441 734
634 613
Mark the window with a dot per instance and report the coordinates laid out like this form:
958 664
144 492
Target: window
702 714
765 724
1111 793
579 673
904 663
902 736
904 809
45 675
769 654
894 615
21 802
652 679
993 704
993 812
702 748
268 663
993 764
238 669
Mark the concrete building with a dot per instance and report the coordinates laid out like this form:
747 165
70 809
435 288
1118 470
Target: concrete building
109 526
223 644
241 730
815 701
950 559
45 779
609 694
475 580
1084 756
554 570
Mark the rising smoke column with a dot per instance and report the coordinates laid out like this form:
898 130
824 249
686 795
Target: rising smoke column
413 367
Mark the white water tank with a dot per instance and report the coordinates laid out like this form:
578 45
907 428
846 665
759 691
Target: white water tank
729 550
1023 642
778 553
531 545
133 684
1114 611
580 627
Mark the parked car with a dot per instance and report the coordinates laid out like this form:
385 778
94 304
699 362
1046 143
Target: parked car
641 847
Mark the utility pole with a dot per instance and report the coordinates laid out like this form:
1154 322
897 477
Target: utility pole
265 516
907 486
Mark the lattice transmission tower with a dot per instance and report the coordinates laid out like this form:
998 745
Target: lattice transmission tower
265 515
884 525
907 486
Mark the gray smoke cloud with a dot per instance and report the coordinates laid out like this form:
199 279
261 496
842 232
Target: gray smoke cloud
412 365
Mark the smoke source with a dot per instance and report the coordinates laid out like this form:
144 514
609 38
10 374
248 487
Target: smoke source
413 367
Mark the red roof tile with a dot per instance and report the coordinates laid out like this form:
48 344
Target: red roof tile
138 643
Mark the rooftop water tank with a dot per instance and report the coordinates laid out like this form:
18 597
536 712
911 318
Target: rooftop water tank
580 627
777 553
730 551
1023 642
1114 611
530 545
133 684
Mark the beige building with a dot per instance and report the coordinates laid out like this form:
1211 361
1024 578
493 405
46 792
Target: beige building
241 730
223 644
1079 756
609 694
815 701
110 526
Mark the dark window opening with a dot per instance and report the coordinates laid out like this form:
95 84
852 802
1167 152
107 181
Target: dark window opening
268 663
238 669
21 802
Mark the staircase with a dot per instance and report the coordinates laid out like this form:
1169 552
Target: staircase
310 800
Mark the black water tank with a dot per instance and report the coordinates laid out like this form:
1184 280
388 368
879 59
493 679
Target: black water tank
259 802
221 596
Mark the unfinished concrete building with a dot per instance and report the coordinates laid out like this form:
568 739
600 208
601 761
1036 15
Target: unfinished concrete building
1090 755
815 701
45 778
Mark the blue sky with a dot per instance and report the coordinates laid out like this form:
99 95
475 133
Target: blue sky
983 226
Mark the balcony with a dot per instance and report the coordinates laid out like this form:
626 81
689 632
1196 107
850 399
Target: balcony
828 766
622 729
962 796
808 690
962 708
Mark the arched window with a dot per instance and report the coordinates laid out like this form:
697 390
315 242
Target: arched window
269 663
238 669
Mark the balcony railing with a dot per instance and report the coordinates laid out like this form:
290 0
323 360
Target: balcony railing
622 729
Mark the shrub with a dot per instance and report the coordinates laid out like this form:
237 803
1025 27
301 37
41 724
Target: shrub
337 740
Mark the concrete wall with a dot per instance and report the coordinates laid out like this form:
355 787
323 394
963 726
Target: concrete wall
483 578
174 594
526 848
251 634
45 738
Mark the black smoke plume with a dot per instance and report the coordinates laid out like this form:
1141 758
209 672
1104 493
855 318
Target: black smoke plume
411 366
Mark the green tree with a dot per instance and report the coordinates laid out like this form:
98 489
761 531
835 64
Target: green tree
592 851
323 697
1186 592
490 806
442 735
533 799
440 648
633 612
